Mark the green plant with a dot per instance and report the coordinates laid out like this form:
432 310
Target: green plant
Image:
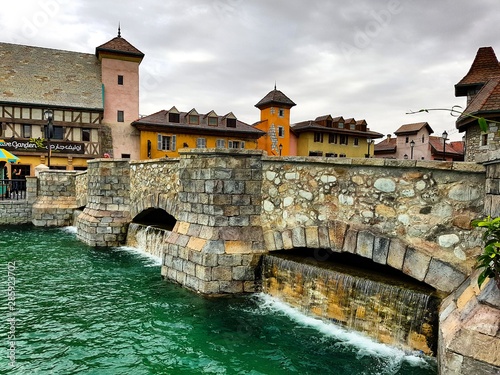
489 259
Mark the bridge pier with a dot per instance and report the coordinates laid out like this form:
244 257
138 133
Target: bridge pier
217 241
105 219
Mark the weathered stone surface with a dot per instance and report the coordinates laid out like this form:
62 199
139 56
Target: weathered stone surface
364 246
443 277
381 250
416 264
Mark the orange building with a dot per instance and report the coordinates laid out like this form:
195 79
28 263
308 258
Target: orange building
275 122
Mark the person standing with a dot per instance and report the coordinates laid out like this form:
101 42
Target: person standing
16 175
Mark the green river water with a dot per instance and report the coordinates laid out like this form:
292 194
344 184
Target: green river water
67 308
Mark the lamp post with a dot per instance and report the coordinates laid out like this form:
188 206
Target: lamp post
49 116
369 142
412 144
445 137
280 147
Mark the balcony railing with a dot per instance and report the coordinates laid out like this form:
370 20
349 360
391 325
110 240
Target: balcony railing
12 189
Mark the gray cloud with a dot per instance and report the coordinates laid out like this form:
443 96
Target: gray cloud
365 59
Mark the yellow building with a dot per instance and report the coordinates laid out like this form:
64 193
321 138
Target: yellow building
163 133
275 122
334 137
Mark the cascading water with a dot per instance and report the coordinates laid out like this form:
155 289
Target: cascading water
381 309
147 238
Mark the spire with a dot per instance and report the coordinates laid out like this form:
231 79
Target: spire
274 85
119 31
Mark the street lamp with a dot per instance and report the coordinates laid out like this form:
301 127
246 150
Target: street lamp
49 132
412 144
405 156
369 142
445 137
280 147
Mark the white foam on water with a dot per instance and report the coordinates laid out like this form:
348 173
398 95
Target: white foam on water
70 229
365 345
154 260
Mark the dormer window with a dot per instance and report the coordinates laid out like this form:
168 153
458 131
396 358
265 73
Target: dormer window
174 117
194 119
231 122
329 123
212 121
353 126
341 125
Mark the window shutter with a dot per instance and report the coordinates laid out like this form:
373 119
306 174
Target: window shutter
242 144
174 142
159 142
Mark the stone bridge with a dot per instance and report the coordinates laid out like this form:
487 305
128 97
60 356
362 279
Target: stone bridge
230 207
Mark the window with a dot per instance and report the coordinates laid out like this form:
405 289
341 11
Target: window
221 143
315 153
342 155
423 138
236 144
281 131
318 137
341 125
26 131
484 139
344 140
174 117
281 112
331 155
58 132
329 123
120 79
231 122
85 135
407 139
212 121
356 142
201 143
332 138
125 156
353 126
194 119
166 142
120 116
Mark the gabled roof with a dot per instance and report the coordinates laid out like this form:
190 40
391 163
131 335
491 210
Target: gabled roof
275 97
437 146
120 46
314 125
413 128
49 77
386 146
484 67
159 121
486 102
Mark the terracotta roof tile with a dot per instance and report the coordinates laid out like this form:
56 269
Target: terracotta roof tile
486 101
484 67
413 128
388 144
437 144
159 120
120 45
275 97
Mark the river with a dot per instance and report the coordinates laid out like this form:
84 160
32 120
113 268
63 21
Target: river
68 308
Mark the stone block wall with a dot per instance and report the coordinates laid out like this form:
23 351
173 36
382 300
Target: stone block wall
217 241
105 219
81 187
56 199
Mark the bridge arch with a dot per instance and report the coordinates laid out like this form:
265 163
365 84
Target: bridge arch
414 261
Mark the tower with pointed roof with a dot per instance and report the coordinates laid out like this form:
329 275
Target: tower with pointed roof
481 85
120 62
275 122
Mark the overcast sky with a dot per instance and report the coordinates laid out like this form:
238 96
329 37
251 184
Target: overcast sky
368 59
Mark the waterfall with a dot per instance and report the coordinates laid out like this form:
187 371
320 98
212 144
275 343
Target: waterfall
147 238
383 310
